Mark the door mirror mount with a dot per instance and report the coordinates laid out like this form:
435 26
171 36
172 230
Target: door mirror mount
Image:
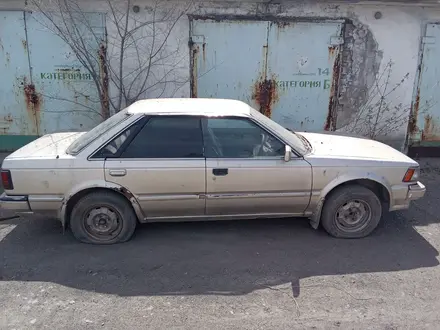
287 153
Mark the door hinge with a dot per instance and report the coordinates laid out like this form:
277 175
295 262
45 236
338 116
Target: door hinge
428 40
198 39
336 40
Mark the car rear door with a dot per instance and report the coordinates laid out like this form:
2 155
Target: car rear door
163 166
246 173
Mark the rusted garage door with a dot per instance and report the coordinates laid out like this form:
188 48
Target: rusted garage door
44 88
288 71
424 126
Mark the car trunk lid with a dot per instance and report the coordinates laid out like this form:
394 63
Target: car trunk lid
47 146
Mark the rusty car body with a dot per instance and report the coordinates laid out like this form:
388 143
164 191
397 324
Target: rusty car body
205 159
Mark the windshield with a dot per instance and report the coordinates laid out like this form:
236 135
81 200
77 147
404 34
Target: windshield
287 135
96 132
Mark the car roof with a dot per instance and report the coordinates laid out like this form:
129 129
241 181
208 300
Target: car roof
191 106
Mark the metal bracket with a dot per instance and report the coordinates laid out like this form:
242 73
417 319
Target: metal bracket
428 40
198 39
336 40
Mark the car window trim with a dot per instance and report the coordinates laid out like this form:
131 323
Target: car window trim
205 126
143 118
148 118
297 154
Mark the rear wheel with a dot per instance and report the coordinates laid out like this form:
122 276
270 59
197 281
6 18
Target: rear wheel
103 218
351 212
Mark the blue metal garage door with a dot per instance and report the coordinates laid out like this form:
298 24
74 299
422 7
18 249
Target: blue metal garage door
424 128
44 89
288 71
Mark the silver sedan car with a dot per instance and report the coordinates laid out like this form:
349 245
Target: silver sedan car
205 159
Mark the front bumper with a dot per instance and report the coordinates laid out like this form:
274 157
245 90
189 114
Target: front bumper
416 191
18 204
404 194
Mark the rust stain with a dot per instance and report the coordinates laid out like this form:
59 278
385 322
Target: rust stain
103 75
283 24
430 130
332 51
33 104
427 128
330 122
412 123
265 94
24 43
194 70
8 118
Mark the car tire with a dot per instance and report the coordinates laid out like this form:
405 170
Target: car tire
103 218
351 212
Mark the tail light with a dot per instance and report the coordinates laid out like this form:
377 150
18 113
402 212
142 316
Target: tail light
7 180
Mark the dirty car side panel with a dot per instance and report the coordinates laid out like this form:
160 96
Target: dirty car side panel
163 187
55 177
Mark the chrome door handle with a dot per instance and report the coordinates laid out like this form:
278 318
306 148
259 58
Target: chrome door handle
117 172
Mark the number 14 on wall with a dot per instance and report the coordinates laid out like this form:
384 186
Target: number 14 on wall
323 72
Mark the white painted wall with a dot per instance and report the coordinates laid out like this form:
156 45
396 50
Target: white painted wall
397 33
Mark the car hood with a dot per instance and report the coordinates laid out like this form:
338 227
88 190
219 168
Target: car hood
49 145
337 146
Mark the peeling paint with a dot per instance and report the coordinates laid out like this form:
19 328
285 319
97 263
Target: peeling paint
412 123
194 71
103 71
360 60
330 122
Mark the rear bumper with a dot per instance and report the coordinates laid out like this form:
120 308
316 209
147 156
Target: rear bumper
404 194
18 204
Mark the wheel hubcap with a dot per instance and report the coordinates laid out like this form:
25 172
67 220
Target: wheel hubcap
103 223
353 216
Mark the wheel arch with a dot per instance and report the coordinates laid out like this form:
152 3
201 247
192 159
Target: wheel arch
378 185
75 196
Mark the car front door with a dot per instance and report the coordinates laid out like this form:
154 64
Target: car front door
162 164
246 173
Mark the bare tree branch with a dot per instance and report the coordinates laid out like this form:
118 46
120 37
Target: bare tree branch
142 52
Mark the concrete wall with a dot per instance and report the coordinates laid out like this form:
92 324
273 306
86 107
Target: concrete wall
382 42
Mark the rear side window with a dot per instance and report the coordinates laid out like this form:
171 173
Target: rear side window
167 137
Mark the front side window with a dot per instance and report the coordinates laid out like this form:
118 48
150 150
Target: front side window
113 148
167 137
239 138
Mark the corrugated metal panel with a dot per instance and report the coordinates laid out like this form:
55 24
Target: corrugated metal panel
288 71
424 127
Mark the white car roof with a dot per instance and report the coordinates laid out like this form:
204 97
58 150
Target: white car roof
191 106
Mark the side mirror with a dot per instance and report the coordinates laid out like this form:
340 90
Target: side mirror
287 153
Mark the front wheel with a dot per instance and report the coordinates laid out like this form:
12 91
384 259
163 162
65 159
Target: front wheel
351 212
103 218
